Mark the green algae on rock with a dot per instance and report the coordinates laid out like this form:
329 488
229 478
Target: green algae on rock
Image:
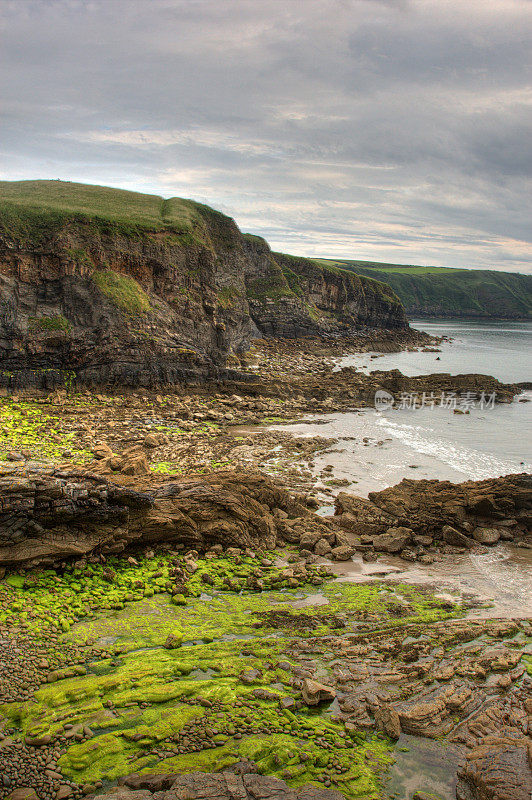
24 426
227 693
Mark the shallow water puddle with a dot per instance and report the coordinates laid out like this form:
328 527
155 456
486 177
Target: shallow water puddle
316 599
498 578
423 765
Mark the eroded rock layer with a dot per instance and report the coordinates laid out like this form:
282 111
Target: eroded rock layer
46 516
102 286
417 513
225 786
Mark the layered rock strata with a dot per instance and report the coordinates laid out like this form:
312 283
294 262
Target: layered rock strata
224 786
47 516
152 291
413 515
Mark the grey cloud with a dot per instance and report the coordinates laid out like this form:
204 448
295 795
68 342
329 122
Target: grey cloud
363 128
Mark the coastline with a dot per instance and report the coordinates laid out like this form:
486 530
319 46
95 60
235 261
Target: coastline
371 634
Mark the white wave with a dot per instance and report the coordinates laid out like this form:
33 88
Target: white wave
473 463
506 576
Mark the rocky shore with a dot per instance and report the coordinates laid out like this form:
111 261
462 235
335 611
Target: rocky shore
46 517
171 621
242 657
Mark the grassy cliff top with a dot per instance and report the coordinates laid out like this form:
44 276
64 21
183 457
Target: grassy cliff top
404 269
322 264
31 206
448 291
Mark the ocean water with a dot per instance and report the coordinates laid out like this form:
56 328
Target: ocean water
379 448
376 449
501 349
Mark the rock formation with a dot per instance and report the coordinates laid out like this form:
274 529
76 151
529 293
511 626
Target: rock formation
500 769
49 515
46 516
220 786
414 514
107 287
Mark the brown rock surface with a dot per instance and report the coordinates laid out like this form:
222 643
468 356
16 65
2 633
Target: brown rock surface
46 516
499 771
315 693
451 512
219 786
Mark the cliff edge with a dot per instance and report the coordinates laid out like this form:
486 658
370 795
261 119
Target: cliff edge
108 287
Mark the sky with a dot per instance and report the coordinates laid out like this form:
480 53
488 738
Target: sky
387 130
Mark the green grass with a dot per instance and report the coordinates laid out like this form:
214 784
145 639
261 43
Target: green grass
57 322
123 291
227 295
34 210
112 204
403 269
446 291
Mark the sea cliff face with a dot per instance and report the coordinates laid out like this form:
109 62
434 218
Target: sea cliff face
147 299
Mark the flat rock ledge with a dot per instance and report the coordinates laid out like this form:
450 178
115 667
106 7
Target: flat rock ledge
218 786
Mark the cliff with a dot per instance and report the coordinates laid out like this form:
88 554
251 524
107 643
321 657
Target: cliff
298 297
104 286
446 292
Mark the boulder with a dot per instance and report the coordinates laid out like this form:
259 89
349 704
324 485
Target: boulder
153 440
455 538
428 507
387 721
250 676
322 547
102 450
315 693
135 465
486 535
173 641
308 540
343 552
393 541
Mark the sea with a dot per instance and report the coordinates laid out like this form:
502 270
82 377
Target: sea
377 449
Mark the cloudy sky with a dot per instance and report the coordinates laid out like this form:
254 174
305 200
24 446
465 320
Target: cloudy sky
394 130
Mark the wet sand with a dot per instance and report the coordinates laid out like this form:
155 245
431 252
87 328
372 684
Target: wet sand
375 450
